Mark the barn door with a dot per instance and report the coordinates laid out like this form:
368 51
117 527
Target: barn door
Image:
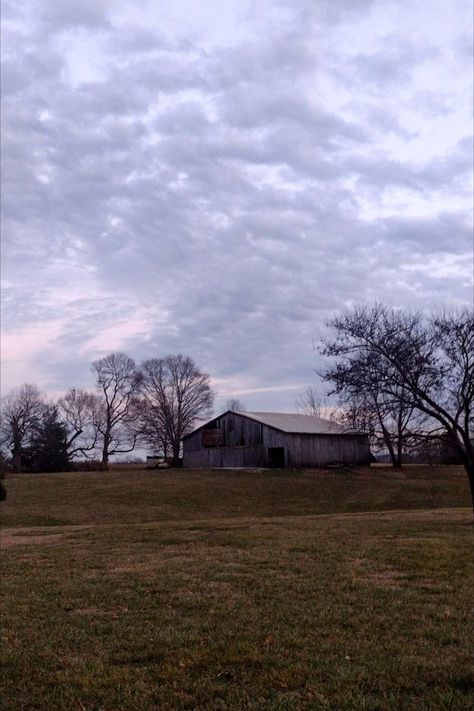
276 456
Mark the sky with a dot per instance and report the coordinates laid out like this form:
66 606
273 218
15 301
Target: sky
220 178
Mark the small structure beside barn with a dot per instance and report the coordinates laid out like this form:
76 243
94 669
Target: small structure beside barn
272 439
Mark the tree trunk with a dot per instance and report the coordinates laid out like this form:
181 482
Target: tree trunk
397 464
16 460
469 467
16 447
399 439
104 464
466 451
468 463
175 462
389 444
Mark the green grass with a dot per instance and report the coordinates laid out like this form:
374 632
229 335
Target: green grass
230 590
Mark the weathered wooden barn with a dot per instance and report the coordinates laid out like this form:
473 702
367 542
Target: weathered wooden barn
272 439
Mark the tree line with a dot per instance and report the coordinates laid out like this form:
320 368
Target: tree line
153 404
400 375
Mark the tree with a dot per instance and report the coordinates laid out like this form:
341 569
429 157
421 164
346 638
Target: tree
313 404
79 411
48 450
355 414
21 411
3 469
390 416
175 395
235 405
150 422
118 381
426 362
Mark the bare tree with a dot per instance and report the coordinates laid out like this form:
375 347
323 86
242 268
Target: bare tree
151 422
21 411
176 393
79 411
391 416
235 405
118 381
427 361
313 403
355 414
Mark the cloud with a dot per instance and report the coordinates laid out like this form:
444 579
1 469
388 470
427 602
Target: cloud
91 14
167 190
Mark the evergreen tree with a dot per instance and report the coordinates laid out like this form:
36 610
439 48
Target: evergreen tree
49 451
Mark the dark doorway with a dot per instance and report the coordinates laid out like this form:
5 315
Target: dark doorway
276 456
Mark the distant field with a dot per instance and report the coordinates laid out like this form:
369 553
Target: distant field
219 590
182 494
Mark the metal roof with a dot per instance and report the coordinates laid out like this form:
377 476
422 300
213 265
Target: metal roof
291 423
298 424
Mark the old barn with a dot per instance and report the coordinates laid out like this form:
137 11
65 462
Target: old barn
272 439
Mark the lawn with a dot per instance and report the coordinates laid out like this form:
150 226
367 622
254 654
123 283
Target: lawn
238 590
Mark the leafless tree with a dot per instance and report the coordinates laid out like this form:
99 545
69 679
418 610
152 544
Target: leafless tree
391 416
355 414
176 393
235 405
150 421
118 382
428 361
21 411
79 410
313 403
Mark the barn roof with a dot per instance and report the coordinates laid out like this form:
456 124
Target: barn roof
290 423
297 424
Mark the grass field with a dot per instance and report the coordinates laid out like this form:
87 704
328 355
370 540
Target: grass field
237 590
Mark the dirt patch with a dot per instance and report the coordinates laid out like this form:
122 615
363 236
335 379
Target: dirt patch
28 536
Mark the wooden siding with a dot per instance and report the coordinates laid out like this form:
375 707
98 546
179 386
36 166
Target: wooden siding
246 443
230 430
315 450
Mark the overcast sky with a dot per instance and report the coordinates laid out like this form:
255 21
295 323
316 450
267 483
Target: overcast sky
218 177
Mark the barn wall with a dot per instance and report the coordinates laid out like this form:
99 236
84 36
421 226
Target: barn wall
244 443
316 450
225 457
